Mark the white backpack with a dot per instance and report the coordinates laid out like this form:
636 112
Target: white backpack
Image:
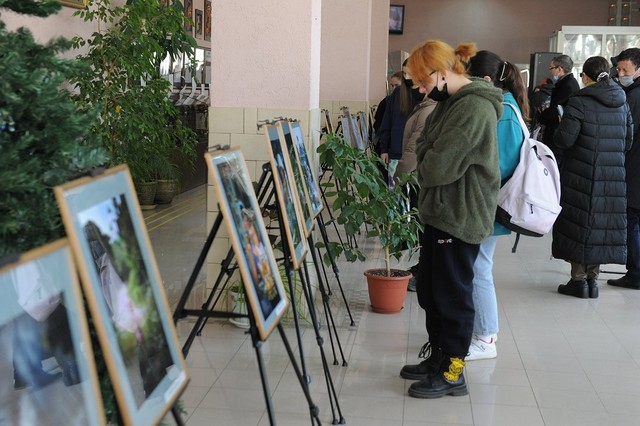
529 202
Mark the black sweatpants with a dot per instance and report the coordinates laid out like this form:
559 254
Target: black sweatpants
444 290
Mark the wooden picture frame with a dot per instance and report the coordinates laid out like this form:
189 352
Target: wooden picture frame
207 20
282 178
122 284
242 214
293 164
199 23
312 192
77 4
47 367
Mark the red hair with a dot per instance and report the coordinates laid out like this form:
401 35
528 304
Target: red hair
436 55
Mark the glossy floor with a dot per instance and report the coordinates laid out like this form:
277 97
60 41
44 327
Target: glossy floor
561 360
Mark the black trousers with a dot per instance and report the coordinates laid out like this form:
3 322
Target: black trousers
445 288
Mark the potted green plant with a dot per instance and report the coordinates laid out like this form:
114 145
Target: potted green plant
362 196
139 124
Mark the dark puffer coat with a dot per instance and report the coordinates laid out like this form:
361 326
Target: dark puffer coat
595 131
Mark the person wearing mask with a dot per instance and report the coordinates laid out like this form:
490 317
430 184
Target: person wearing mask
398 106
565 85
394 81
459 179
595 132
408 162
505 76
627 66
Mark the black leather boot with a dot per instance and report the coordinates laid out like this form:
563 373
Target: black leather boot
449 380
575 288
594 291
625 282
432 359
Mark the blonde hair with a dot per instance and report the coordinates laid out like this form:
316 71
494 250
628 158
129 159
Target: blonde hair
436 55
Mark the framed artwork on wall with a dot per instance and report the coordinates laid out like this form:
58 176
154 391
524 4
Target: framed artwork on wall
285 192
78 4
102 218
396 19
188 14
207 20
47 368
199 23
251 245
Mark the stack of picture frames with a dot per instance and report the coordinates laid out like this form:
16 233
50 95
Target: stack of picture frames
198 22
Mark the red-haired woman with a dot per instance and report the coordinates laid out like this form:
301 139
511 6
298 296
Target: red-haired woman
459 179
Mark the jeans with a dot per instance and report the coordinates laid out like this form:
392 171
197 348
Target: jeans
485 321
633 243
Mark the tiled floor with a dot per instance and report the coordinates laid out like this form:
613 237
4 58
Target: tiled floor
561 361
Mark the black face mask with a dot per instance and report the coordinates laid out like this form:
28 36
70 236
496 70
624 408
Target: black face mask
416 95
408 82
439 95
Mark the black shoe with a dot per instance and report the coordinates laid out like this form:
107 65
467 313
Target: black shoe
448 382
412 284
578 289
625 282
432 359
592 283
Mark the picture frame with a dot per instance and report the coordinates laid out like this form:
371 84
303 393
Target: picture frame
188 13
124 291
356 135
76 4
47 367
396 19
292 159
327 119
251 244
312 192
285 192
346 133
364 128
199 23
207 20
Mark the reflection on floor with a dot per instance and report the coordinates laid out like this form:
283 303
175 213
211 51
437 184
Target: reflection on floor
561 360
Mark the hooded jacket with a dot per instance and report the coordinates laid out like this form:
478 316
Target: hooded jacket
412 131
595 132
458 169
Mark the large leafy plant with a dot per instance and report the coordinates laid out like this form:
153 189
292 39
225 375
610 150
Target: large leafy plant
361 196
139 123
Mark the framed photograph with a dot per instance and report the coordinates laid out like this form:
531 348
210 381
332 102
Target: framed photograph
364 128
356 135
291 162
188 14
78 4
251 245
396 19
47 368
311 188
124 291
207 20
327 119
285 191
199 23
346 133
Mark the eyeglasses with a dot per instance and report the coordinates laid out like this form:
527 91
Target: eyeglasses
553 68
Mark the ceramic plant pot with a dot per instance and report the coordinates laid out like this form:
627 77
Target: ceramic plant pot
387 294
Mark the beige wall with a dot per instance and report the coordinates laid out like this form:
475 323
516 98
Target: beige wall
511 28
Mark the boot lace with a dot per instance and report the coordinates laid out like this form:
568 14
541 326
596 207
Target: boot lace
426 351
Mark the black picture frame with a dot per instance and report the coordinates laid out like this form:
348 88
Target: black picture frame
396 19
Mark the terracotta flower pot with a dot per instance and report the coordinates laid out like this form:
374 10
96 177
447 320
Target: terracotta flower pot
387 294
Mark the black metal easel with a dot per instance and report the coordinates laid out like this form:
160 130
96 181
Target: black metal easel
206 312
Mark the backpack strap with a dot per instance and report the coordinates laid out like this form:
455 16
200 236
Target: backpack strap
523 125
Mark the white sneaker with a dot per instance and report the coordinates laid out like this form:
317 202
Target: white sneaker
479 349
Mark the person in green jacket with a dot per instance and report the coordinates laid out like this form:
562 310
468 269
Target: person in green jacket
459 178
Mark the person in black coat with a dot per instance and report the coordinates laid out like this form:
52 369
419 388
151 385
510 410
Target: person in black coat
595 132
565 85
627 65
